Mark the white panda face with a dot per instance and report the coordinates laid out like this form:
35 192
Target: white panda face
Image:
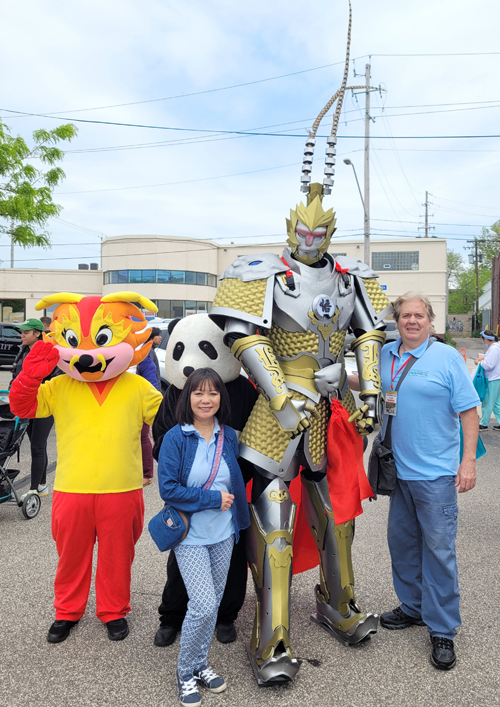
196 342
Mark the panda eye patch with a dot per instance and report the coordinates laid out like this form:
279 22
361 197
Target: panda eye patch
178 351
208 349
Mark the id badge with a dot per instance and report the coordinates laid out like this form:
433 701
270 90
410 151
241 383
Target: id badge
391 402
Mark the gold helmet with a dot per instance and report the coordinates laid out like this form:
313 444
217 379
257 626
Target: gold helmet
313 216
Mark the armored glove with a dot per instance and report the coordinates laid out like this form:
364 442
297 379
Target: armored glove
292 412
327 379
368 414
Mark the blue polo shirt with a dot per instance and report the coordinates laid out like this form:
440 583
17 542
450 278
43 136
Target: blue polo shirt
211 525
425 431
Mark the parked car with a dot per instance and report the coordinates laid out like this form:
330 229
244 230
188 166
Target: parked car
10 343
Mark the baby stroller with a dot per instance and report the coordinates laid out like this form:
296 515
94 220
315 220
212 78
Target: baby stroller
12 431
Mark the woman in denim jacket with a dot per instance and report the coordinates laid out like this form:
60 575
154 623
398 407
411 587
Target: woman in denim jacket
217 515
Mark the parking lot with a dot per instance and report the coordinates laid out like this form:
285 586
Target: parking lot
392 668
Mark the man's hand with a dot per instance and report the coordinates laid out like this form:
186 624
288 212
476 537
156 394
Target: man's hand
41 361
466 475
227 500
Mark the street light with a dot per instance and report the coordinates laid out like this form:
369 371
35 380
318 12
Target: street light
366 226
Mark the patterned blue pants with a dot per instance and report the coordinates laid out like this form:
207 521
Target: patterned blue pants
204 570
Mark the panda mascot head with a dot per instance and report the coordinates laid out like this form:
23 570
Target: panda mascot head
196 342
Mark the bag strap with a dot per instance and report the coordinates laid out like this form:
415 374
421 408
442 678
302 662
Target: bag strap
216 462
387 441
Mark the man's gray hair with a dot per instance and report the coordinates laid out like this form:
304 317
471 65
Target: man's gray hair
408 297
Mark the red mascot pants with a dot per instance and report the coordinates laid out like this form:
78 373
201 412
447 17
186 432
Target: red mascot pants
78 519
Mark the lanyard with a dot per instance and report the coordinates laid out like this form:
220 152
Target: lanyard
399 369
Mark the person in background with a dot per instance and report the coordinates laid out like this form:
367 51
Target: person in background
156 340
198 473
46 321
148 370
39 429
423 512
491 366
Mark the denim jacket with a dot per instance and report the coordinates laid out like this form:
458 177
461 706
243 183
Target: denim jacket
176 458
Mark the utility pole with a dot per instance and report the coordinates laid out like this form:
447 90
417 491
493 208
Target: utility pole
367 168
478 258
12 245
426 226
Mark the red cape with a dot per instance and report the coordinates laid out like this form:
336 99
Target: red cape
347 483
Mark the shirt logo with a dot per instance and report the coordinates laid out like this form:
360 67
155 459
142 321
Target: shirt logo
422 374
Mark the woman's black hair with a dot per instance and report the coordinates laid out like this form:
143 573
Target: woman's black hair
490 333
197 380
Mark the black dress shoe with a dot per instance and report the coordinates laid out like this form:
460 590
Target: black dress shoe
443 653
397 619
226 633
485 427
165 636
59 631
117 629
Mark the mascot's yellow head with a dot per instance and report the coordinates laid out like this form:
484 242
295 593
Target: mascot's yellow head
310 228
98 337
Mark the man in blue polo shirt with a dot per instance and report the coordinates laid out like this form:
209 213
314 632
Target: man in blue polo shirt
425 441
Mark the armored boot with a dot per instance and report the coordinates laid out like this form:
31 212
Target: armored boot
269 552
336 607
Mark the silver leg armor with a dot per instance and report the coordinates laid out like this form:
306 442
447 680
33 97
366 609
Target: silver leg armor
269 553
336 607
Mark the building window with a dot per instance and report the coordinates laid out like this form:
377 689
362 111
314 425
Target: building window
135 276
399 260
148 275
175 277
163 276
172 309
12 310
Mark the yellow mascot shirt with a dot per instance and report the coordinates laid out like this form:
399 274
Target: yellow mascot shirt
98 430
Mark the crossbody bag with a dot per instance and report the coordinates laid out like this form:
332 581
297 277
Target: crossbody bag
169 527
382 472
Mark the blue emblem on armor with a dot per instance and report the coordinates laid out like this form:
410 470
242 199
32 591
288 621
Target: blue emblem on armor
255 262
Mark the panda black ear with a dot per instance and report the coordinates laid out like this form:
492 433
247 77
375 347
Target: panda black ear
172 324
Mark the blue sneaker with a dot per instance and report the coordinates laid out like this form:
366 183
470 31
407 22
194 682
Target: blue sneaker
188 691
209 679
43 490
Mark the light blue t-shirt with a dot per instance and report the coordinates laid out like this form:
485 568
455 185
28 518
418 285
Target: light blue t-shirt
425 431
211 525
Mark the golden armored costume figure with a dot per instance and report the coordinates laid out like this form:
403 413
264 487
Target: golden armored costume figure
286 320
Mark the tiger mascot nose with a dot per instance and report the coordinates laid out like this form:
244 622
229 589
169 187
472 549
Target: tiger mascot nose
86 361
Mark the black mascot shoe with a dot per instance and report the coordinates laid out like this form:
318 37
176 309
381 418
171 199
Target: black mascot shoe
165 636
226 633
59 631
443 653
397 619
117 629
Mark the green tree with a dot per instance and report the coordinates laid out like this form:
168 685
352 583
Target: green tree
25 189
490 248
456 266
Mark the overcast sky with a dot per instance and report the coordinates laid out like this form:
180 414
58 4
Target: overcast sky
80 60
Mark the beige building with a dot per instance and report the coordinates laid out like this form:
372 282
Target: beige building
180 274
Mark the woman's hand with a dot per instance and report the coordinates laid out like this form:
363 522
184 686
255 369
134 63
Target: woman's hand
227 500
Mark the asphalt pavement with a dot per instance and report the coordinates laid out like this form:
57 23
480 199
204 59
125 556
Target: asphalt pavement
393 668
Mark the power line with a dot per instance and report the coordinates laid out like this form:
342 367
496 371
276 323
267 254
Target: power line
187 95
364 56
259 134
